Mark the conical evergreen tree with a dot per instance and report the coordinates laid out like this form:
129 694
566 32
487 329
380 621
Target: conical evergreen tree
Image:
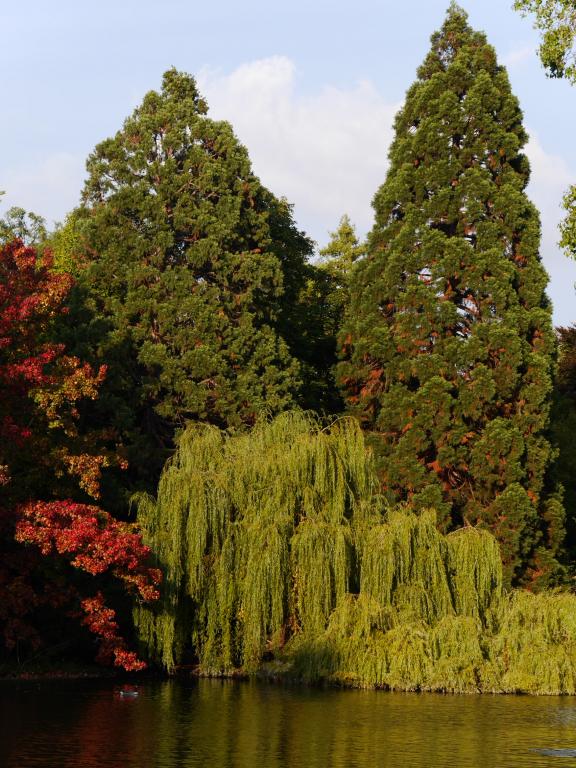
193 269
337 260
448 345
342 252
317 316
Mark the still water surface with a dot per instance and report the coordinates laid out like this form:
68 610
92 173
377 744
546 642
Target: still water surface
226 724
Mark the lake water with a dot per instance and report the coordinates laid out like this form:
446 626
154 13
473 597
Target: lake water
230 724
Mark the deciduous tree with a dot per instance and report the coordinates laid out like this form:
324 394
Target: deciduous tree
43 454
556 20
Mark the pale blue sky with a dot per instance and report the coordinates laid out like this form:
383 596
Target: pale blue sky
311 88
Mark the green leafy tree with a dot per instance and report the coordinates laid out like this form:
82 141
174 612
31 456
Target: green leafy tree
342 251
556 20
67 247
192 270
311 330
317 317
449 343
276 547
19 224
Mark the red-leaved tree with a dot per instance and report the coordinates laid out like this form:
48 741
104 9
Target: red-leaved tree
46 546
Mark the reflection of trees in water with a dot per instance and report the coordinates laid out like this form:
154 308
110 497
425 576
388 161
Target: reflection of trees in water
223 724
227 724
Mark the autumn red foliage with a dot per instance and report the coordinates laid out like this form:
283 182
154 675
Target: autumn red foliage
41 448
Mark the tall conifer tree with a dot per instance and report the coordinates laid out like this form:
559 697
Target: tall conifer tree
191 271
448 344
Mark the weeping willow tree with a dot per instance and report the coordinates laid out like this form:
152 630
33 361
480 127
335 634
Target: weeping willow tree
255 536
280 555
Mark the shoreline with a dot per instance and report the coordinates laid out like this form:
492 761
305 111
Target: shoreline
260 676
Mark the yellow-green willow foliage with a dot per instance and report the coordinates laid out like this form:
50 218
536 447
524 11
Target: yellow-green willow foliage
254 533
280 556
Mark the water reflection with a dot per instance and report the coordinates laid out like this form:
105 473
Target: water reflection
223 724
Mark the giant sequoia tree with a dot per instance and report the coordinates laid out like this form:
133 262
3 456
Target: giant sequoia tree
193 270
448 343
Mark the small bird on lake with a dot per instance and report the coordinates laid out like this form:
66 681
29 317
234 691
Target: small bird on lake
128 692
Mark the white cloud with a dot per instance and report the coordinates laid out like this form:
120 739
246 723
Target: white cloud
326 153
50 188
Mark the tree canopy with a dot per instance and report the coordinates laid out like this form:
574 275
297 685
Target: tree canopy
337 260
279 550
448 344
193 269
45 545
174 335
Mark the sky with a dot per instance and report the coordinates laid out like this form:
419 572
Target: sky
311 88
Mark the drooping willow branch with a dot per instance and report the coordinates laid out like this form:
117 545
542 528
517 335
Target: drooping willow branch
277 542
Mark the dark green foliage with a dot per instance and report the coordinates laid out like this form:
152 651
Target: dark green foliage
563 428
192 270
275 545
448 343
316 318
310 329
